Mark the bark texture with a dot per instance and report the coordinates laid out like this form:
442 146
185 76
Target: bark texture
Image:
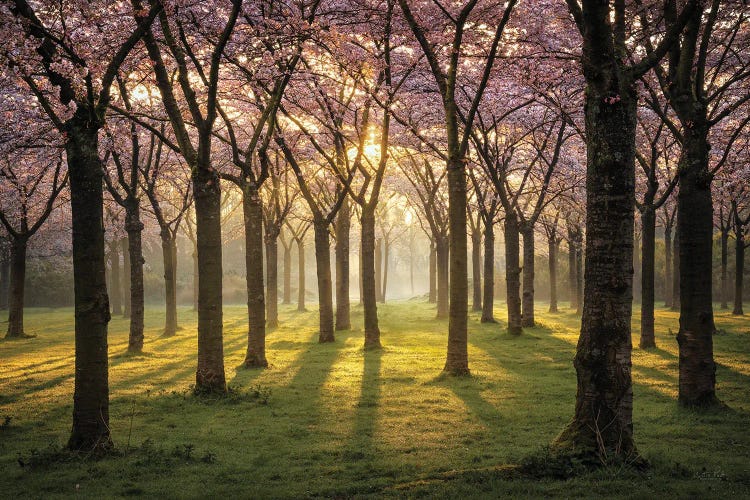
442 251
255 355
488 300
343 305
169 256
17 288
325 292
512 274
134 227
91 392
697 384
476 274
648 255
603 425
209 375
552 247
527 314
369 283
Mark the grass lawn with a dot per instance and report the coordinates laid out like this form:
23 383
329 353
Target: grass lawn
335 421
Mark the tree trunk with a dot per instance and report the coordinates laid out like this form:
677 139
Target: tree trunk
17 284
169 255
512 274
91 393
134 226
580 277
668 266
255 355
476 276
343 307
272 280
287 293
196 274
209 376
697 384
433 273
386 260
325 293
126 276
572 278
4 278
648 229
527 316
724 262
676 271
552 261
379 269
488 301
115 281
301 275
603 425
442 254
457 361
369 282
637 266
739 271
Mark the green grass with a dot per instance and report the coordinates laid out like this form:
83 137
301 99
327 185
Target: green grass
333 420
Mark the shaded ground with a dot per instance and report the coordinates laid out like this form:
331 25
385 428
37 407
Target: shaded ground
334 420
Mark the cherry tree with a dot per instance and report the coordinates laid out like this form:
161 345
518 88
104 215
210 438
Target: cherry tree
68 56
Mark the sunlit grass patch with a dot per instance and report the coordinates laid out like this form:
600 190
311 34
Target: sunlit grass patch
336 420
